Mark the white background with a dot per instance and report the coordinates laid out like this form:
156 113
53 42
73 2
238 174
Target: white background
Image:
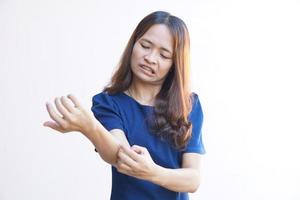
245 56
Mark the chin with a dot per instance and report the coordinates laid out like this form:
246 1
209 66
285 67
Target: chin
144 79
140 75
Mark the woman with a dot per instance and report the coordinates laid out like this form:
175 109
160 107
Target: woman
150 122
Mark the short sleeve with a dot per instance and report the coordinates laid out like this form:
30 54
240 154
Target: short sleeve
195 144
106 111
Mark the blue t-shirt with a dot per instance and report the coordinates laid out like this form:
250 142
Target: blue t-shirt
120 111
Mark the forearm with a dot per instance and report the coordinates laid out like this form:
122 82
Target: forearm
105 143
178 180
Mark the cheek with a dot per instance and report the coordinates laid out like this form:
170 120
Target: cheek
133 58
166 67
136 51
135 55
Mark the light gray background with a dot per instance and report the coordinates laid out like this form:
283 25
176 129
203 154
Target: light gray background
245 60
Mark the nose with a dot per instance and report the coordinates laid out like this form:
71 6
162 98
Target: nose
151 57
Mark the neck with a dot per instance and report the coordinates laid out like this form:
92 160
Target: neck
143 92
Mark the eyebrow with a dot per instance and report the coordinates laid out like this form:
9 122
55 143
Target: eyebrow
163 48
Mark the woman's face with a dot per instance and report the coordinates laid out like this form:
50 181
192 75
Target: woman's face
152 55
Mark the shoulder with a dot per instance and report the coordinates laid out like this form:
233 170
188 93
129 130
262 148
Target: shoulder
196 113
195 144
108 111
105 100
194 97
196 105
105 97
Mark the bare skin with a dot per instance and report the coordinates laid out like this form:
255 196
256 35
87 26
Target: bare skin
71 116
154 52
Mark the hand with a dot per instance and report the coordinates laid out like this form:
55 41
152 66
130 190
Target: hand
136 161
74 117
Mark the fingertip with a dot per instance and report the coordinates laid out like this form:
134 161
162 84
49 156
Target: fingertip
47 104
135 147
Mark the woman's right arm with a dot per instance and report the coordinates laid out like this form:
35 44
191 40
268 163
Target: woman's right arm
107 143
73 117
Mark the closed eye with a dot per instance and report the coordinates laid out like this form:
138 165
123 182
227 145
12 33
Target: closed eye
165 57
145 47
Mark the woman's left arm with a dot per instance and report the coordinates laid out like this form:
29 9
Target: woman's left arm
137 162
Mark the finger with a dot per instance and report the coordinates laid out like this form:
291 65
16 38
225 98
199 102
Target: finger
124 169
138 149
124 158
74 100
65 113
122 166
67 104
131 153
58 119
54 126
128 173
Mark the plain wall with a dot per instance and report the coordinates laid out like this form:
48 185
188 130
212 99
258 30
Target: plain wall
245 63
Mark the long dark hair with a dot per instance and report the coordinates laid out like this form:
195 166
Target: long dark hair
173 102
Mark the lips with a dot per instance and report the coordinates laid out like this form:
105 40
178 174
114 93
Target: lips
147 68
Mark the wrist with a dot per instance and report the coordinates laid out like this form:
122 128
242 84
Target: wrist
158 175
92 132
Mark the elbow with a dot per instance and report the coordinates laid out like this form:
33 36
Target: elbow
194 187
109 159
110 156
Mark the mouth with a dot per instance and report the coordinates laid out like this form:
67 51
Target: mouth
148 69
